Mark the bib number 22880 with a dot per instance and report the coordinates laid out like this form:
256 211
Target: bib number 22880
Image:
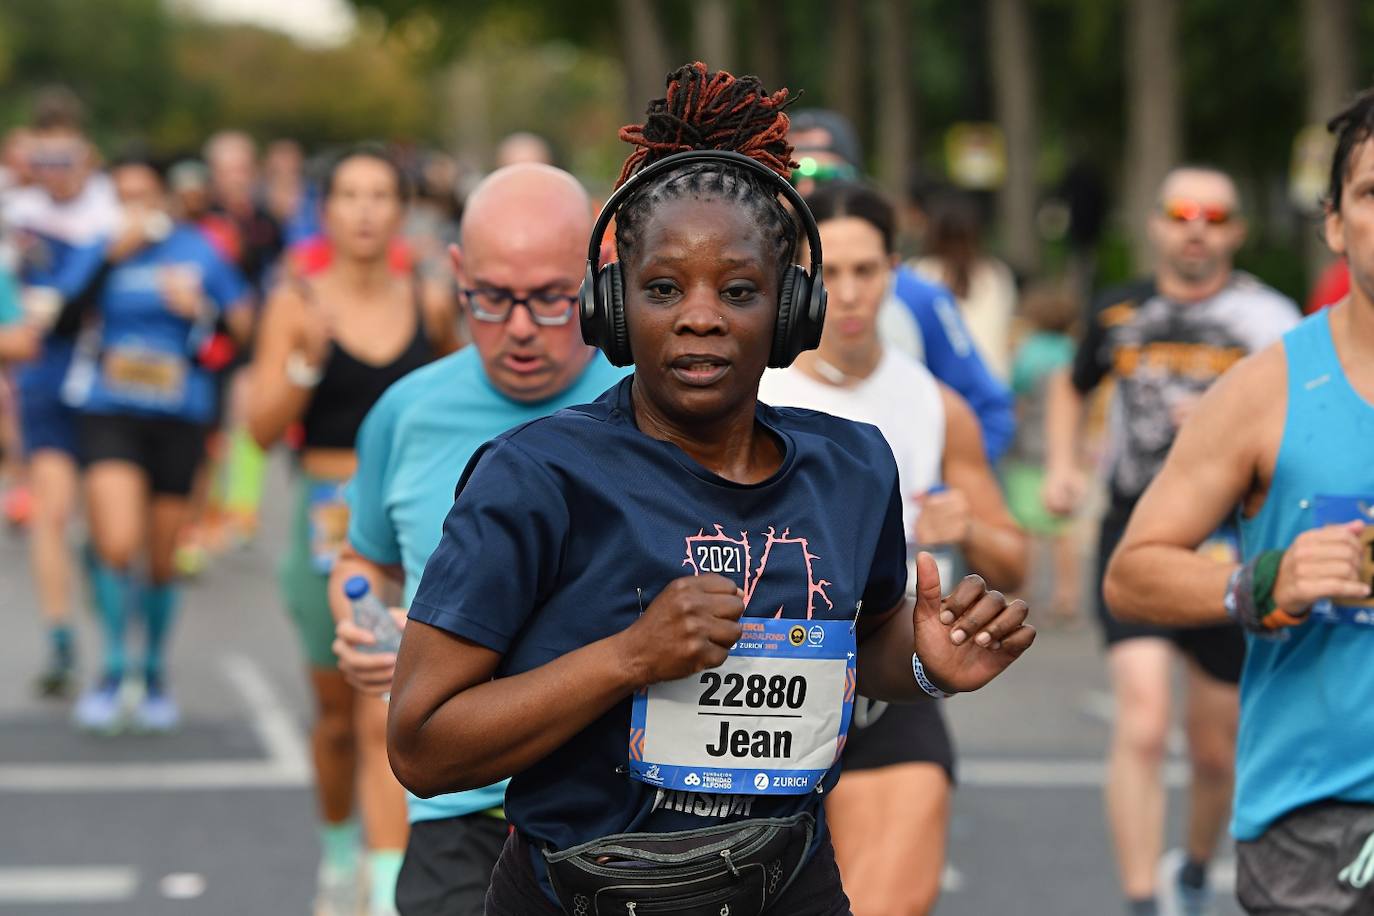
771 720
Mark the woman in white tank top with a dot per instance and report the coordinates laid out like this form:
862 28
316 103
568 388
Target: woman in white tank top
889 812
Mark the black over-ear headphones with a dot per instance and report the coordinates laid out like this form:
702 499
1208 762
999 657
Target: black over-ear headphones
801 298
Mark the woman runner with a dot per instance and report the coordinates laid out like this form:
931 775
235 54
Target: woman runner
679 560
329 346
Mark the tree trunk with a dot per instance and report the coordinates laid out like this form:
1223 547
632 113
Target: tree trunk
714 36
1014 91
1152 138
767 49
1327 26
895 126
644 55
846 59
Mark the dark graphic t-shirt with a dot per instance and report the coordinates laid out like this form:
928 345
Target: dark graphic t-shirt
1163 353
562 526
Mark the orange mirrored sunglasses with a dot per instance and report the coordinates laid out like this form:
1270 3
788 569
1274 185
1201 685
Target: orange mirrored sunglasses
1185 211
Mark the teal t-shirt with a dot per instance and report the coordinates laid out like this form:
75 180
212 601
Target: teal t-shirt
412 448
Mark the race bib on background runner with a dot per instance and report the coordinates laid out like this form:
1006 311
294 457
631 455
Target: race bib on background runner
771 720
145 377
1336 510
328 524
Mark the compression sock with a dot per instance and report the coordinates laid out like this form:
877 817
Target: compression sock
63 654
159 607
1193 874
1147 906
111 590
384 867
339 846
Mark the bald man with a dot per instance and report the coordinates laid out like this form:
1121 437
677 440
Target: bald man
523 147
522 256
1165 339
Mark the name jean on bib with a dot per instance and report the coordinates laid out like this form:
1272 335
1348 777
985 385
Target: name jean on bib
1337 510
771 720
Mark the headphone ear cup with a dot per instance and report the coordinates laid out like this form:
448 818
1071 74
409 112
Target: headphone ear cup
791 327
610 293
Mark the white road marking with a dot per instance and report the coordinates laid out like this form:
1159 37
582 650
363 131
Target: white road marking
182 886
1042 773
95 884
286 763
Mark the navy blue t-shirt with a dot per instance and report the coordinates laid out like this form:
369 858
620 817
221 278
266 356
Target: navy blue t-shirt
558 522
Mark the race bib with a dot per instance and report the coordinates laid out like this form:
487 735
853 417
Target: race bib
143 376
1223 546
328 514
771 720
1336 510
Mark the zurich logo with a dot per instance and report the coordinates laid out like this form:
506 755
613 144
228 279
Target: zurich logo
760 781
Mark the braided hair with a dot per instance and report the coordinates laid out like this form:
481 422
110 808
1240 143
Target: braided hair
705 110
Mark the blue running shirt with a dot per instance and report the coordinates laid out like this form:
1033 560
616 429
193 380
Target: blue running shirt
146 362
1307 700
559 524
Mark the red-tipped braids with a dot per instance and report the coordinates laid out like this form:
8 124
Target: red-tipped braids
711 111
704 110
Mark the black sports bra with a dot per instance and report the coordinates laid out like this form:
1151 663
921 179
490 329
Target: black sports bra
349 387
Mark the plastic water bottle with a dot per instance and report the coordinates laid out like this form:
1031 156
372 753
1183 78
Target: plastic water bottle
373 616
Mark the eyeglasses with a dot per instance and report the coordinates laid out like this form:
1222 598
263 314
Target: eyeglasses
494 304
1185 211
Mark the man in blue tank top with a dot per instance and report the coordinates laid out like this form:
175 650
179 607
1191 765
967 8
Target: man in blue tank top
523 252
1282 441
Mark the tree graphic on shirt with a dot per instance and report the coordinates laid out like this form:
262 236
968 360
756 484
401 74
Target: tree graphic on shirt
750 576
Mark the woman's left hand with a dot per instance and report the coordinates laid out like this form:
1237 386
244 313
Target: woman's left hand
969 636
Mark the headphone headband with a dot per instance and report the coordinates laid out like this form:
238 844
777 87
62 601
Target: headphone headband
633 183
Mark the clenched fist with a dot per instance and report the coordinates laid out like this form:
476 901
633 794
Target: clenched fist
689 627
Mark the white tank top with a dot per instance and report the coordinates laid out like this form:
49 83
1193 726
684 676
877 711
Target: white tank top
901 398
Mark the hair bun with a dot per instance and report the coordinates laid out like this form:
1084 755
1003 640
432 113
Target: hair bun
704 110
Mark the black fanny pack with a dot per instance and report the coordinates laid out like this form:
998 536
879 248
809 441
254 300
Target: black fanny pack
737 869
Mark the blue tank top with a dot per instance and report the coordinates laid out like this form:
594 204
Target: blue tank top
1307 702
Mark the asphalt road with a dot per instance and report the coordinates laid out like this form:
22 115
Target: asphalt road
217 820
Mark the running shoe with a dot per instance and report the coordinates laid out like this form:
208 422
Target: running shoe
1177 898
337 892
156 712
55 682
100 709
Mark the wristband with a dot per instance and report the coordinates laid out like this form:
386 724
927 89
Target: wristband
924 682
1249 597
300 373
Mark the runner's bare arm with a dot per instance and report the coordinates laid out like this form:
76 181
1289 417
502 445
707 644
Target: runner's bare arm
1064 481
276 402
994 546
19 342
453 727
964 639
439 309
1156 573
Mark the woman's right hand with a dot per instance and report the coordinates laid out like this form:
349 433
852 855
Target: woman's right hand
689 627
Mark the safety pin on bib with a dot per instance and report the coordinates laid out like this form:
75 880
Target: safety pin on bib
858 609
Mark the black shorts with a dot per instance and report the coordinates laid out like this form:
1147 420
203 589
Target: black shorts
1315 860
515 891
1219 650
904 733
448 864
168 450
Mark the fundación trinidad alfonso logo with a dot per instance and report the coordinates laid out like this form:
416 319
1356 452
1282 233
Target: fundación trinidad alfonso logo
792 572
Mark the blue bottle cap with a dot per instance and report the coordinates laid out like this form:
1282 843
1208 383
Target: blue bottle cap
356 587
